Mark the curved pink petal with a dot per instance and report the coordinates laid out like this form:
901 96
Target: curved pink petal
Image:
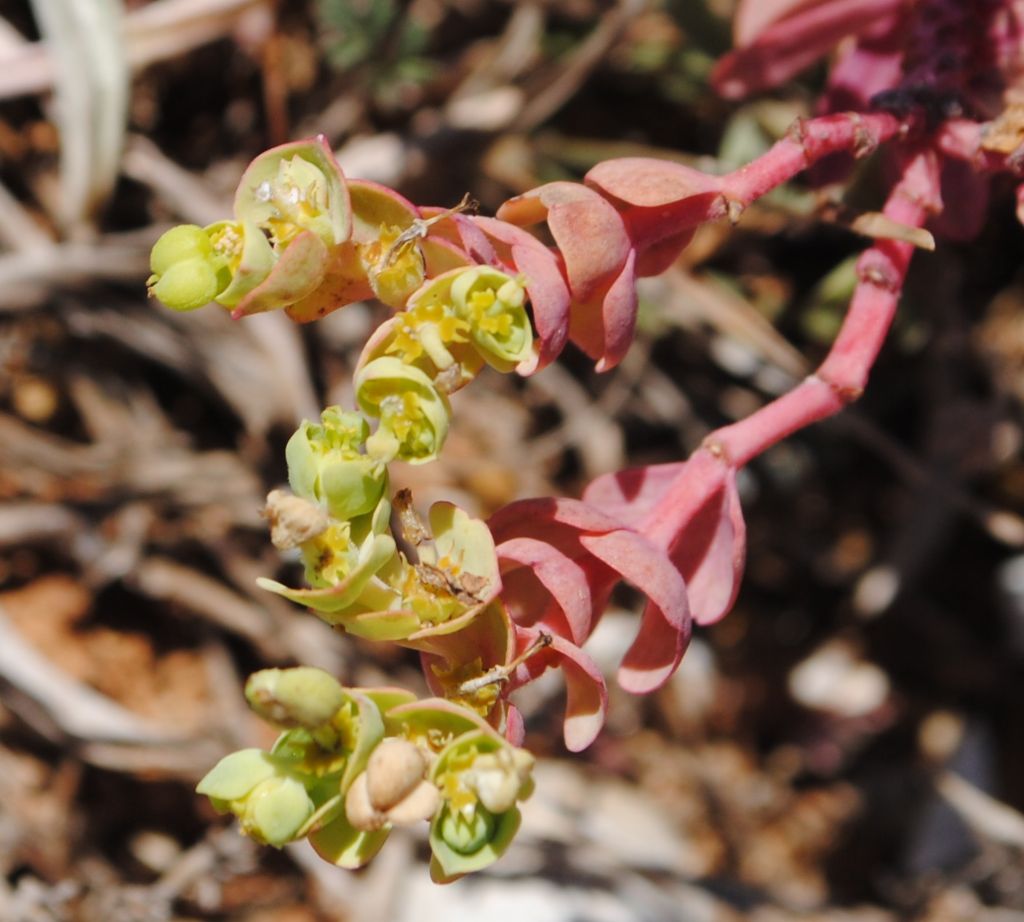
711 553
628 496
515 728
563 578
531 517
549 298
700 479
530 603
592 239
658 257
665 625
644 182
866 68
693 510
460 231
752 17
586 693
344 283
703 528
441 255
660 234
589 232
586 696
661 203
586 329
654 655
603 328
618 315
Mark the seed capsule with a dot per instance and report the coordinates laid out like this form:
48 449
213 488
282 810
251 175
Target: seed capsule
421 804
395 768
360 812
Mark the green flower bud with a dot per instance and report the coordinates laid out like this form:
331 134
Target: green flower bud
187 272
181 243
187 285
299 697
466 834
193 266
413 414
336 752
492 303
465 842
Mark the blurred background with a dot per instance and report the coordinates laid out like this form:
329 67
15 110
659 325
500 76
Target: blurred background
847 745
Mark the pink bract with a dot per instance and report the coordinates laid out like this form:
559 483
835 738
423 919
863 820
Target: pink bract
603 551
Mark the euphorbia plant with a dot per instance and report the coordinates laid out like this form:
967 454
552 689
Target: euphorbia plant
492 605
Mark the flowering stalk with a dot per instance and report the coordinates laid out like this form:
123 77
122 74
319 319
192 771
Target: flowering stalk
491 606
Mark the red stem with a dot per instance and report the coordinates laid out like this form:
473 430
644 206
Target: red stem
805 143
839 380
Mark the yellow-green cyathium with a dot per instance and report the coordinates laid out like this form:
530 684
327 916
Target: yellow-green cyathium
327 463
363 584
491 303
413 414
296 187
482 778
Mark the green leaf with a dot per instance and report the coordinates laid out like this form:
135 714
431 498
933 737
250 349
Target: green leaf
343 845
237 774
